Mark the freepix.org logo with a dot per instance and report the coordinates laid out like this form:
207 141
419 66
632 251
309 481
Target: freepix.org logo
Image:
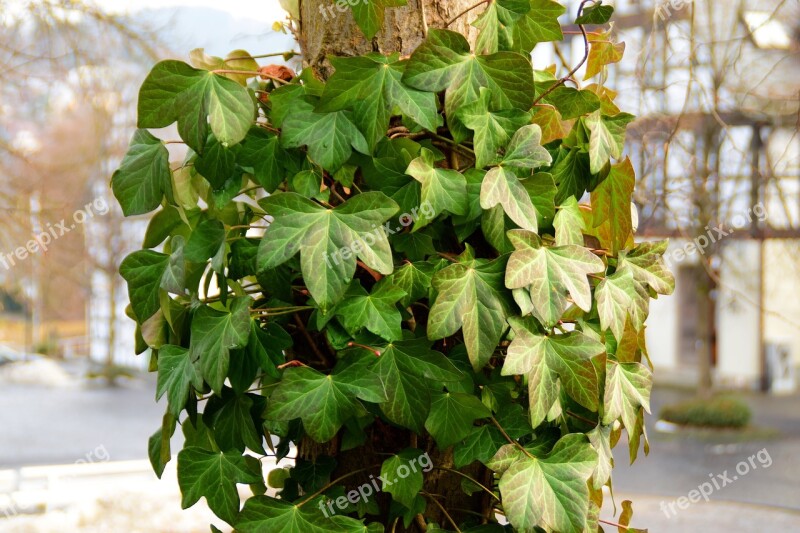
341 6
425 211
41 241
376 485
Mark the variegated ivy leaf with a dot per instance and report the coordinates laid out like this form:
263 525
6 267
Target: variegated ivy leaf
628 388
619 297
502 187
329 240
550 491
550 360
611 203
606 138
470 296
550 274
568 223
648 267
525 149
600 437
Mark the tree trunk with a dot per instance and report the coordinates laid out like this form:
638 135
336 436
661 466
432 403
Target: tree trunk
324 33
330 32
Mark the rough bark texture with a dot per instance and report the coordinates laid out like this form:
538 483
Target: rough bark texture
403 30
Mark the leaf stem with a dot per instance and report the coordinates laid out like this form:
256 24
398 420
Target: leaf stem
462 474
563 80
612 524
249 73
297 320
479 4
579 417
334 482
510 440
261 56
440 506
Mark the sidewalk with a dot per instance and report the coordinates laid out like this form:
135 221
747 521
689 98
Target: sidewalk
712 517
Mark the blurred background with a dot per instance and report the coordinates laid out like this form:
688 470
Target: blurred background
716 87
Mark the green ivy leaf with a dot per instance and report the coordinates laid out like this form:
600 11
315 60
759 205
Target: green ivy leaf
571 174
232 420
217 163
414 279
261 151
215 333
144 270
329 240
174 91
470 296
550 360
550 274
262 514
178 372
539 25
328 136
444 61
405 368
595 14
369 15
480 445
205 242
376 311
573 103
214 475
158 445
452 415
445 190
403 489
493 129
323 402
143 177
372 86
550 491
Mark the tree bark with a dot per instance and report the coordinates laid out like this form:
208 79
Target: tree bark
326 33
330 32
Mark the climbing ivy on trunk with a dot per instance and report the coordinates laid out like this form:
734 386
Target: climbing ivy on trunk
418 276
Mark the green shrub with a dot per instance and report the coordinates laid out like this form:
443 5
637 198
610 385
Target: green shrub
721 412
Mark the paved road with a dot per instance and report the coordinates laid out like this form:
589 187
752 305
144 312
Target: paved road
677 465
62 425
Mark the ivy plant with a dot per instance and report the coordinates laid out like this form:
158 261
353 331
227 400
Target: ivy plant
419 264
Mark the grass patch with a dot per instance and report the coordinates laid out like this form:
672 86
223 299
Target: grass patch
718 412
